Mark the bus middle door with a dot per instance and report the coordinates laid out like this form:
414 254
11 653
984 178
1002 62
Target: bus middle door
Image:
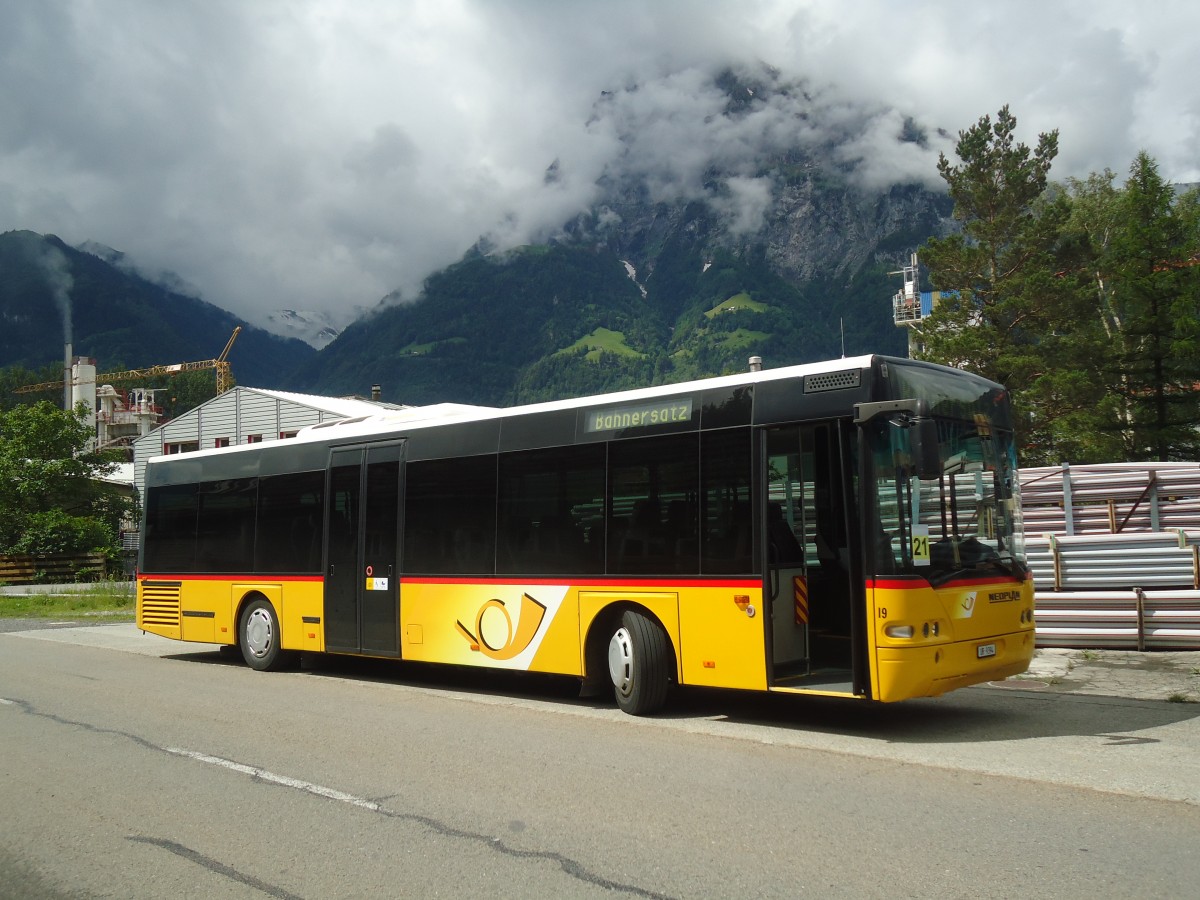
362 609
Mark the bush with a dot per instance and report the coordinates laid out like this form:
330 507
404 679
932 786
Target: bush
54 531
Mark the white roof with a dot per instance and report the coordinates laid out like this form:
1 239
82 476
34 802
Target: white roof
445 412
341 406
122 474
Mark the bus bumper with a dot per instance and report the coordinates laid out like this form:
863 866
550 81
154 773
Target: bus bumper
906 672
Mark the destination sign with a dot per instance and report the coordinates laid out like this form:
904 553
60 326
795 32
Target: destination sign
664 412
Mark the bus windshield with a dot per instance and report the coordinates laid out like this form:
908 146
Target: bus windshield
964 521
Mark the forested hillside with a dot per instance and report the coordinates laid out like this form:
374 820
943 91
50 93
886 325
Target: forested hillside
51 293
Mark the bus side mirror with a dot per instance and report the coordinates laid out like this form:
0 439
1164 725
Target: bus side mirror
912 414
926 455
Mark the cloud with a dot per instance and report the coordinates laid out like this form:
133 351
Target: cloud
315 155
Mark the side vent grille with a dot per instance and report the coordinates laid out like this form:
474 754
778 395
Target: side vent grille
160 602
832 381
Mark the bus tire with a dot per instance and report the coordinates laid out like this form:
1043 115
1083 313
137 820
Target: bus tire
259 637
639 664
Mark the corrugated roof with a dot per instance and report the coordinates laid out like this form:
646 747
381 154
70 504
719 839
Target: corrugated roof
341 406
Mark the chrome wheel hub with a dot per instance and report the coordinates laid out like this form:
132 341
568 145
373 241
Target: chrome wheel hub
258 632
620 661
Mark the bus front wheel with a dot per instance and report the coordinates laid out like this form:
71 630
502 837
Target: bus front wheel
639 662
259 637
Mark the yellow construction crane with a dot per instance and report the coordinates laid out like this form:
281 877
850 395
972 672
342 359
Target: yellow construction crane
221 364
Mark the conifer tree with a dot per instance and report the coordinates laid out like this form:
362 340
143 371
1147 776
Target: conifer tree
1153 368
1013 316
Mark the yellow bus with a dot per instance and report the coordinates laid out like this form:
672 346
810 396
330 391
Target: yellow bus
847 528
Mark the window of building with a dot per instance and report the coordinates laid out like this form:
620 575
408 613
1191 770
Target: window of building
254 439
173 447
221 442
284 435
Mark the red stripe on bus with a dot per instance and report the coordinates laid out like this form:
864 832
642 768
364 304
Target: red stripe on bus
146 576
575 582
595 582
901 584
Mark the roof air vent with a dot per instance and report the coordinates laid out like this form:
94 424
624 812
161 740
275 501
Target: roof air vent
832 381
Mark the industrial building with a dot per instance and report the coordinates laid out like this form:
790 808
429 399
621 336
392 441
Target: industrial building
245 415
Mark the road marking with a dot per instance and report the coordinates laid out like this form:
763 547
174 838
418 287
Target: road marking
255 772
571 867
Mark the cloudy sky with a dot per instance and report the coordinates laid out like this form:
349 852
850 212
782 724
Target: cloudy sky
318 155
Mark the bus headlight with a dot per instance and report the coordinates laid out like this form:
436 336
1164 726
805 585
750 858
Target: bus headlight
898 631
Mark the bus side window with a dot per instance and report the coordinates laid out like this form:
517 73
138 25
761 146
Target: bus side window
171 528
727 530
647 476
450 516
288 525
550 504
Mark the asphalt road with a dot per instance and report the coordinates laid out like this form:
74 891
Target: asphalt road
137 767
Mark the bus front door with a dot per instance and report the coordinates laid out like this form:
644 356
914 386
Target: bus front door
362 528
808 584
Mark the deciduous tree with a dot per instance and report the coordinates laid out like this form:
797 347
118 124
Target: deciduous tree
51 497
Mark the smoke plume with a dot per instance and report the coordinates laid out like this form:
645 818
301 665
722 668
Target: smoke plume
57 269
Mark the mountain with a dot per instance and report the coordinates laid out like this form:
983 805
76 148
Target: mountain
313 327
51 293
483 322
575 317
784 254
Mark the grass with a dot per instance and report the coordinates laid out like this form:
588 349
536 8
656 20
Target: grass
426 349
743 337
1180 698
736 302
603 340
113 599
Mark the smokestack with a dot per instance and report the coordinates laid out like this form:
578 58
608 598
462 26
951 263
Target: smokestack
68 353
756 364
376 392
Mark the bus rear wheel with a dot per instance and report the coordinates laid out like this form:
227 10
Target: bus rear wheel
259 637
639 664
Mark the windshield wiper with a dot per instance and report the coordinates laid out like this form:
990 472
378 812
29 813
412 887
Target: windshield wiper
1008 565
940 576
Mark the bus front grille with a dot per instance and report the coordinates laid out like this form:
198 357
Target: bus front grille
160 603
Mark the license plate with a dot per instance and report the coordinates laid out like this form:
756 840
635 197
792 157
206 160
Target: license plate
983 651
